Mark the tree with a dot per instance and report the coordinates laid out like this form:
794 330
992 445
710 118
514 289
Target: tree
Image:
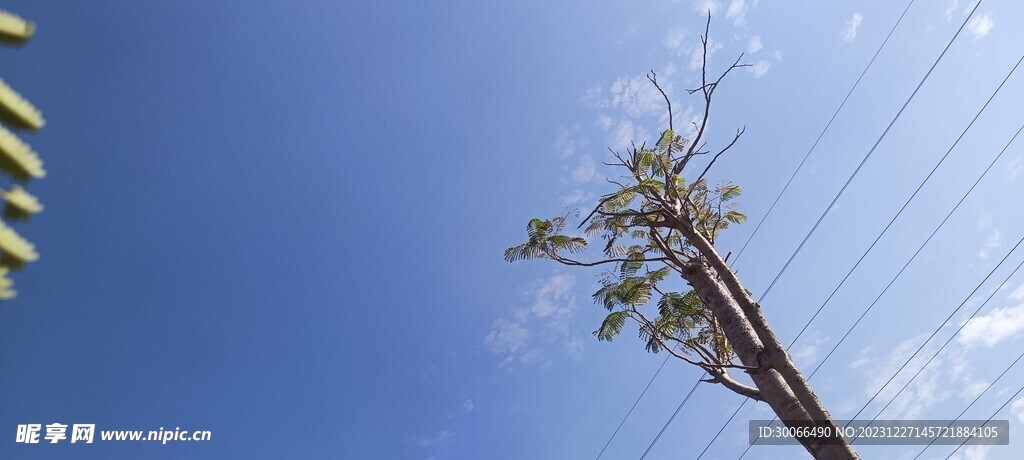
663 219
17 160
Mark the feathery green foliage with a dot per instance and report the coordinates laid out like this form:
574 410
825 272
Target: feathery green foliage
17 160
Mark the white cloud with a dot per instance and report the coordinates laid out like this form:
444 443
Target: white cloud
970 6
1018 294
565 145
506 337
999 325
624 133
1015 168
980 26
670 69
778 55
577 197
468 405
594 97
573 348
439 438
585 171
552 296
760 68
852 27
1017 409
544 323
754 44
696 53
974 389
950 9
438 444
979 452
737 11
947 377
674 38
994 241
807 354
636 96
704 6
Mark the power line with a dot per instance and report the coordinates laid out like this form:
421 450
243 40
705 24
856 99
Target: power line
854 174
638 398
990 273
989 387
916 253
944 345
771 208
900 212
821 134
670 419
1000 409
720 430
907 203
868 155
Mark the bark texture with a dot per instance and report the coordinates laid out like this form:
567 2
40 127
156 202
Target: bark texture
772 353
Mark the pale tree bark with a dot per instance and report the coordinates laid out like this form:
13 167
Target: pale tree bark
749 347
775 355
694 219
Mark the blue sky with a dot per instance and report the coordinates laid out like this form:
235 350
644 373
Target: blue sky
284 223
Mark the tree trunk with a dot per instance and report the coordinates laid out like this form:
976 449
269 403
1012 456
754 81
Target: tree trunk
775 354
775 390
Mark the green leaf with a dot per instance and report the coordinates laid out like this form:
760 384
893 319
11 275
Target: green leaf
612 325
735 217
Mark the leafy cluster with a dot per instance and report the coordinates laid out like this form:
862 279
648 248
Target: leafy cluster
683 321
641 225
663 217
18 161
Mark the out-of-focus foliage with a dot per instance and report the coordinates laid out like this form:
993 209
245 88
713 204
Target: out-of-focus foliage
17 160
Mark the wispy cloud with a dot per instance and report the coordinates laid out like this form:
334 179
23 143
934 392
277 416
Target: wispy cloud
636 96
622 133
1015 168
760 68
737 12
593 97
999 325
807 354
979 452
1018 294
849 34
565 145
1017 409
950 9
576 197
704 6
506 337
948 376
674 38
993 241
436 445
754 44
980 26
544 323
585 170
696 53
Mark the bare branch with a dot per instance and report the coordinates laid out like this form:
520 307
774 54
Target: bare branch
653 77
739 132
576 263
737 387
